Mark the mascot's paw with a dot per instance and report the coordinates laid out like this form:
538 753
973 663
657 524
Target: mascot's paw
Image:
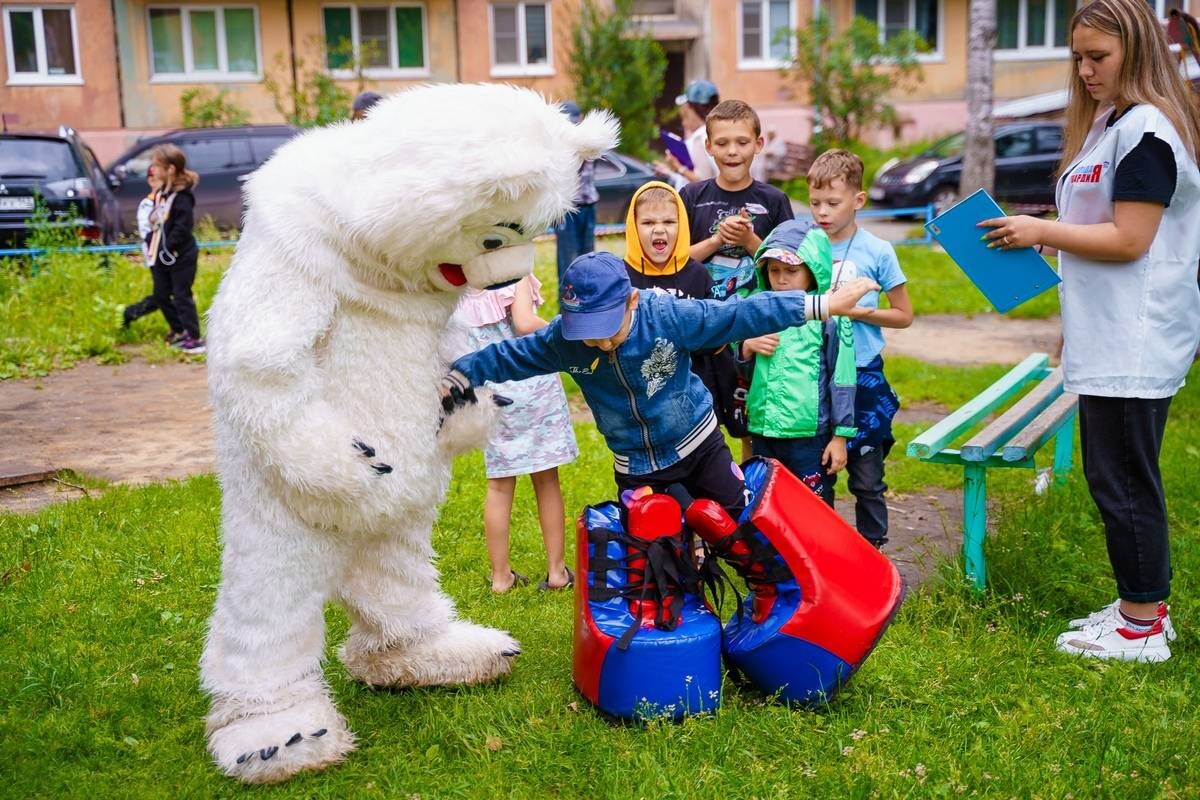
267 747
467 419
458 653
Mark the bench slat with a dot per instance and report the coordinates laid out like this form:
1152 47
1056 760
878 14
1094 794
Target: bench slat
1042 429
1010 423
975 409
951 456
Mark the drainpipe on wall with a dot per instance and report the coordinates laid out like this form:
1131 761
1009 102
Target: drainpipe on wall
292 58
457 44
117 53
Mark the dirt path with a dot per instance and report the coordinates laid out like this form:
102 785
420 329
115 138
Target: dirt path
140 422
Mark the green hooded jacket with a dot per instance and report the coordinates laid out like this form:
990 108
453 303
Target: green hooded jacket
806 388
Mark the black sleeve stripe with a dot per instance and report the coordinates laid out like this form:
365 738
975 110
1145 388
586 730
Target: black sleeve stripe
1147 173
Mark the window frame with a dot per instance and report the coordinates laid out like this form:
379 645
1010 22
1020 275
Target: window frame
41 77
190 74
523 68
393 71
937 55
1025 52
750 64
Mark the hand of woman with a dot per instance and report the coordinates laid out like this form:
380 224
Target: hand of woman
1011 232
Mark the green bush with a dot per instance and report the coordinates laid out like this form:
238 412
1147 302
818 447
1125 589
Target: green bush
615 67
202 108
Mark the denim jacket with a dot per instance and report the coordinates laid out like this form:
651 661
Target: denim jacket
650 407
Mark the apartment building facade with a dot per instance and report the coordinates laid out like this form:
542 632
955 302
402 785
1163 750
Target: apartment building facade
122 65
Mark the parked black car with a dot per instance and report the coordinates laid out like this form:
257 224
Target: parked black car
618 176
1027 155
65 172
223 157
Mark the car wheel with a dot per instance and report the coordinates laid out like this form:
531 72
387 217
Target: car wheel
943 197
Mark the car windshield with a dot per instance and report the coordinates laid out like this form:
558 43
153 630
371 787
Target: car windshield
949 147
44 159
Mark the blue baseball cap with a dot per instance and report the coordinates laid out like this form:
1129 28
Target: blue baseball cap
699 92
592 296
571 109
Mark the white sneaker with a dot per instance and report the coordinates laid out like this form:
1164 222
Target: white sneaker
1112 612
1111 639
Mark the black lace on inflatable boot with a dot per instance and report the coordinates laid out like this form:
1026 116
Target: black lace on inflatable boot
657 564
749 553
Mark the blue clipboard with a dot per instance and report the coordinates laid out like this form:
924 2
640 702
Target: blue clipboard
676 147
1007 278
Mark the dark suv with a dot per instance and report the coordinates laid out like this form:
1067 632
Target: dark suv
1027 155
65 173
223 157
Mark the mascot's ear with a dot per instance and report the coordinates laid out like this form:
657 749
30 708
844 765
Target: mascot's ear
595 133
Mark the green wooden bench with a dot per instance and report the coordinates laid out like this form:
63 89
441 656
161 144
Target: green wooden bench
1010 440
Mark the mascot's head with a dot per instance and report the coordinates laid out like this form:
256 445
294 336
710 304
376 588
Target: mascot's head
440 186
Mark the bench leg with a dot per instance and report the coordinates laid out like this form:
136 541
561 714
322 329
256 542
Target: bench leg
1064 442
974 523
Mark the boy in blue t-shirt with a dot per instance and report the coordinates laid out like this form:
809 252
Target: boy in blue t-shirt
835 193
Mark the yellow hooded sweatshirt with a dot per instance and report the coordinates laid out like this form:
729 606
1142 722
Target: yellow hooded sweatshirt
634 256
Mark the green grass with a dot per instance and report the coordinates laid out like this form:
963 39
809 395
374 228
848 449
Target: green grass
70 310
103 606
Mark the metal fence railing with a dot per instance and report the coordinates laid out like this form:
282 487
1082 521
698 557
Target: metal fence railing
34 253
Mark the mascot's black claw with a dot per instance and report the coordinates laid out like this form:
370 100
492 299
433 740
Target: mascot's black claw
364 448
381 469
501 400
448 404
320 733
295 738
244 757
510 653
469 395
267 753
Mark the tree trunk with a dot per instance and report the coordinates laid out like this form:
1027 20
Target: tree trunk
979 151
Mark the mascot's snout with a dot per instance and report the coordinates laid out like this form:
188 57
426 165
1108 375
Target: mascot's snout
492 269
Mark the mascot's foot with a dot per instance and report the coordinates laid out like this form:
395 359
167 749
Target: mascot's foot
258 746
459 653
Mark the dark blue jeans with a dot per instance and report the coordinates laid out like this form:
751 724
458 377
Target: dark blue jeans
864 479
576 235
802 457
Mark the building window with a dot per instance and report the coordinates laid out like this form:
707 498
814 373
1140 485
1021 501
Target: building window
41 44
1163 7
766 31
204 43
653 8
384 40
1033 24
521 39
894 16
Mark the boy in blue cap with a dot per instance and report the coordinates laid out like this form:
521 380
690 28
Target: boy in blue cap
630 352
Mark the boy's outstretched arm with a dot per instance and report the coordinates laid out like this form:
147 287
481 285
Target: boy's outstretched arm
510 360
708 323
900 315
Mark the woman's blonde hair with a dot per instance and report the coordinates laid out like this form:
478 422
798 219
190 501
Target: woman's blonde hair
1148 75
172 156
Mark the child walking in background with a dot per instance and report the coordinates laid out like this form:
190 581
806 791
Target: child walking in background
835 194
801 399
171 245
533 437
147 305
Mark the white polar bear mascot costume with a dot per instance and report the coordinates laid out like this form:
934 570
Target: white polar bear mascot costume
324 367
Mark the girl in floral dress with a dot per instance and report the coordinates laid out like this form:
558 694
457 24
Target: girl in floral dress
534 435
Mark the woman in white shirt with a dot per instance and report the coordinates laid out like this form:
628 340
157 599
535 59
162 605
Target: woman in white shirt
1128 237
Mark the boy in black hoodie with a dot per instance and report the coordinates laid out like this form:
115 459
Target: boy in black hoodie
172 246
657 241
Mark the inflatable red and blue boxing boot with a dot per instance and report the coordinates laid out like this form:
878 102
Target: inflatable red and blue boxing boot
820 595
645 646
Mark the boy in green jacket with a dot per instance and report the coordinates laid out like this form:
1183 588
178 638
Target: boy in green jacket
801 402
